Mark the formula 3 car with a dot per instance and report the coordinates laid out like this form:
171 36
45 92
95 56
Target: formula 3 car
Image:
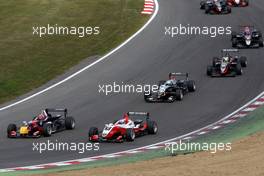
215 7
229 65
247 37
49 121
172 89
238 3
132 125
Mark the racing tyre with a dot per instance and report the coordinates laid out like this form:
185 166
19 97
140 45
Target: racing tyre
234 42
229 10
146 97
239 70
10 128
152 127
47 130
243 61
191 85
202 4
209 71
247 2
207 9
261 43
234 34
179 94
130 135
215 59
69 123
92 132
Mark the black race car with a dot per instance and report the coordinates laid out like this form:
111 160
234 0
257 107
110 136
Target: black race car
49 121
172 89
247 37
215 7
229 65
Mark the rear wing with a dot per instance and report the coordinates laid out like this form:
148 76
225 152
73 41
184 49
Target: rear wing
138 114
50 110
243 26
174 75
230 50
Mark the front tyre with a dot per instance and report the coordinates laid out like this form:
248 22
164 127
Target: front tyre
179 95
10 129
243 61
47 130
239 70
93 131
130 135
234 42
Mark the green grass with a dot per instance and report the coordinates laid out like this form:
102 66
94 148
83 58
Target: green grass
28 61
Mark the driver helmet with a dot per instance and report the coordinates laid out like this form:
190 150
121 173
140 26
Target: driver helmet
43 115
247 31
169 82
121 122
126 118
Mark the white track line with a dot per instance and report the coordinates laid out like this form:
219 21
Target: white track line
136 150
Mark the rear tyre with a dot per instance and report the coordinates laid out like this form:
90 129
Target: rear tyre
179 95
130 135
243 61
152 127
69 123
47 130
239 70
10 128
191 86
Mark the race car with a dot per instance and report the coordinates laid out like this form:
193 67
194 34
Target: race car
172 89
238 3
132 125
229 65
247 37
49 121
216 7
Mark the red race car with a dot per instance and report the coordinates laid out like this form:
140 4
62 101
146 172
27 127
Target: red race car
132 125
238 3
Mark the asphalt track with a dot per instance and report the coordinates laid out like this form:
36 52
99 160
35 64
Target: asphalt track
149 57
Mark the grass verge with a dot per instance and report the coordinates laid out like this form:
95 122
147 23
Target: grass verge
28 61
